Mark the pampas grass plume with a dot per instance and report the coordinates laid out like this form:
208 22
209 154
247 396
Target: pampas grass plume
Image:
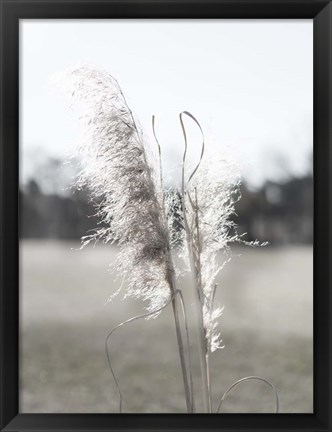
115 166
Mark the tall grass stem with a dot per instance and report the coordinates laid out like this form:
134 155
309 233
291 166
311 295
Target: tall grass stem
196 276
184 353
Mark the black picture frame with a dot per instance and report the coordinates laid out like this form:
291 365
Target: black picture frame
14 10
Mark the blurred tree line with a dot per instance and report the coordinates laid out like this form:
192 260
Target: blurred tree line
53 216
277 212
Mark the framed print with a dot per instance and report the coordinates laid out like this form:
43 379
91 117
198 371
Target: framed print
165 226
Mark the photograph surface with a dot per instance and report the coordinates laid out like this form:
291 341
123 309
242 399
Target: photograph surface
166 216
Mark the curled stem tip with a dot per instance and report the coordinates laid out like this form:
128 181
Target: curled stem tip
236 383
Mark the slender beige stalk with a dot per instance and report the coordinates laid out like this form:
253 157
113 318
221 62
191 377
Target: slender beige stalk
196 280
186 380
207 381
184 354
188 349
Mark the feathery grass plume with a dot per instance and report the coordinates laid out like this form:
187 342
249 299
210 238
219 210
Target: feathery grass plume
209 193
213 192
116 167
208 197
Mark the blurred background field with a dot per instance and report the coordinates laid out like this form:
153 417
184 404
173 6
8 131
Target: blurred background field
266 329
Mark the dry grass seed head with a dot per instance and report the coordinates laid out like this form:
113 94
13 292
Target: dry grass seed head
115 166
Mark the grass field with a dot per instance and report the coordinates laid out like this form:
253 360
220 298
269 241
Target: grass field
266 329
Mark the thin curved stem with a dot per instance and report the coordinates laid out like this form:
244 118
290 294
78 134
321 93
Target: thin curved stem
185 139
137 317
236 383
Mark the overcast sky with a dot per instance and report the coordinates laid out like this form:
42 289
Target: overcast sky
248 82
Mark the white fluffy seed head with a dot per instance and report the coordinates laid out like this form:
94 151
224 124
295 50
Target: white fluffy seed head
115 167
213 192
